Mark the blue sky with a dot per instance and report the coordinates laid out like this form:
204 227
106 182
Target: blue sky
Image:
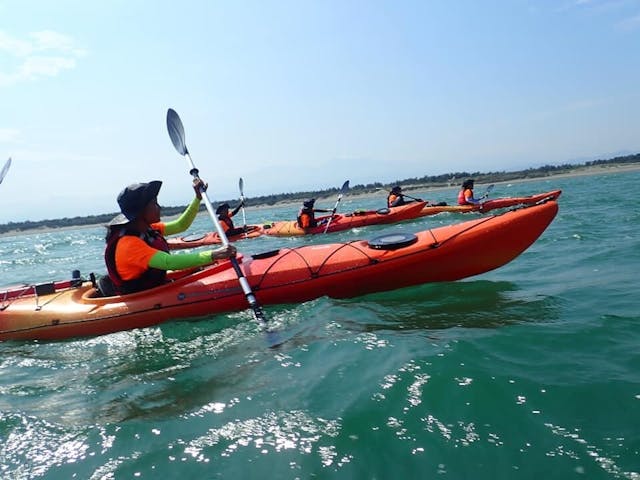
294 94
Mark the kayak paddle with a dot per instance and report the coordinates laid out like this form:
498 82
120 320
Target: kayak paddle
244 219
486 193
344 189
403 194
5 169
176 132
412 198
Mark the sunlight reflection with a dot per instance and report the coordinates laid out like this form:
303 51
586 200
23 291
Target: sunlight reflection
371 341
277 432
30 452
606 463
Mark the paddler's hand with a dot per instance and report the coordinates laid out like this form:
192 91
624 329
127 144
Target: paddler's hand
223 252
198 184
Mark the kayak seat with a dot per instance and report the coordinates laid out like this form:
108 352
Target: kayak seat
383 211
105 287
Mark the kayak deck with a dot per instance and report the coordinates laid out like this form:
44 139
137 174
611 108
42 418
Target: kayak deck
284 276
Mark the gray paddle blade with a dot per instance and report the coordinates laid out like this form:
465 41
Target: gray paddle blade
176 131
5 169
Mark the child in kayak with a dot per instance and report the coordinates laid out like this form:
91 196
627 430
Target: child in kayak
137 255
465 196
225 218
306 215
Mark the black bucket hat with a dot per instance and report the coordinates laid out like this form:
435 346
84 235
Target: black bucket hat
396 189
468 183
309 203
222 208
133 199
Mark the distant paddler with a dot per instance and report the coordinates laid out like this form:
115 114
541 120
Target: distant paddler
465 195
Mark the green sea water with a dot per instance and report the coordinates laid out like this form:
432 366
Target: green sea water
527 372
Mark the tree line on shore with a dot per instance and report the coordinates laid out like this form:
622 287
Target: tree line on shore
427 181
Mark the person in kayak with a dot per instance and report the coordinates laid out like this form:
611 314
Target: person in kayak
137 255
396 198
224 216
465 196
307 214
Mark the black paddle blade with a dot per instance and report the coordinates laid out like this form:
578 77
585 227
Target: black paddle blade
345 187
241 187
5 169
176 131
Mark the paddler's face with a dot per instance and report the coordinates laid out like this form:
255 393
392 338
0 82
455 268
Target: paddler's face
151 212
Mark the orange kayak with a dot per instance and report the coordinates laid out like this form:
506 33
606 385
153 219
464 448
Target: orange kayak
290 275
211 238
491 204
349 220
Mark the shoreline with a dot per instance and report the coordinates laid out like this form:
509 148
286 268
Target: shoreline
577 172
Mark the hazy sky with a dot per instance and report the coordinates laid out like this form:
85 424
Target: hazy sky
297 94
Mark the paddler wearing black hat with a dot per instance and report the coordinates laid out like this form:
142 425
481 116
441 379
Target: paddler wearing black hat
396 198
224 216
306 215
137 255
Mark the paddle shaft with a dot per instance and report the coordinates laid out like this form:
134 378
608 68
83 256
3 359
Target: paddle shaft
246 288
412 198
343 189
403 194
176 133
333 212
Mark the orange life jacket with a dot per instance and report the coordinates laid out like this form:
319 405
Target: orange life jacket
307 218
392 198
152 277
462 196
226 223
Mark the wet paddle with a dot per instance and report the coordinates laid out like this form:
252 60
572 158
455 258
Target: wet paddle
176 132
343 190
244 218
5 169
